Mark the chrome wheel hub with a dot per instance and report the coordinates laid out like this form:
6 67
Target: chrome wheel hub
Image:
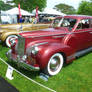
54 64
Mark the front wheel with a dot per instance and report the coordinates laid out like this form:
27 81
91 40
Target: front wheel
55 64
9 38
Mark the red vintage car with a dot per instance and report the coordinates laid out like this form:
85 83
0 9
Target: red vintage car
48 49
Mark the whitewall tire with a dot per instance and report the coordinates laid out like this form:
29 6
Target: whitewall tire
55 64
10 37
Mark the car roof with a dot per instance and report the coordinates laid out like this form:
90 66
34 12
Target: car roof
77 16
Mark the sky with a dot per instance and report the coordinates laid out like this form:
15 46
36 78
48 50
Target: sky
74 3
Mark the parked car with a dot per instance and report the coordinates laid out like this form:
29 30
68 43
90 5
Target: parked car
47 50
10 31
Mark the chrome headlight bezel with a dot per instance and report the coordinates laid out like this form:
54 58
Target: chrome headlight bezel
34 50
24 57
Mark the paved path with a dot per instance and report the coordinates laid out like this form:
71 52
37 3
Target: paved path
6 87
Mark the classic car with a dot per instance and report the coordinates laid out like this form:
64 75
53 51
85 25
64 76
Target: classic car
47 50
10 31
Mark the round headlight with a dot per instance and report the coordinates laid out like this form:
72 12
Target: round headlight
24 57
34 50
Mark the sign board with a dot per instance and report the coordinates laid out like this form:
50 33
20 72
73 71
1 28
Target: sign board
9 73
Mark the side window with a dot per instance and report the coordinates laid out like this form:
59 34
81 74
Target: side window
84 24
68 22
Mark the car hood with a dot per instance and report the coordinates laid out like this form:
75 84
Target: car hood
44 32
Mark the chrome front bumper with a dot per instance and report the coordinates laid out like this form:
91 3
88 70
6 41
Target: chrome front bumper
21 63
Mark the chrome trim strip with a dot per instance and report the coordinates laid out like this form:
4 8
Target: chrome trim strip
57 36
38 44
49 35
60 34
83 52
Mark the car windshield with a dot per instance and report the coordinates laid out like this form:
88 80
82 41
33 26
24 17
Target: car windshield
56 22
64 22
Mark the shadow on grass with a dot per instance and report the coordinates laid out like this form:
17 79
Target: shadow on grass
66 65
3 44
28 73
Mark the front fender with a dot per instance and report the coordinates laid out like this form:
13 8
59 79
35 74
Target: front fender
6 34
47 50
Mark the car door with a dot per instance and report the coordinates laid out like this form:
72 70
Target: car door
80 38
83 34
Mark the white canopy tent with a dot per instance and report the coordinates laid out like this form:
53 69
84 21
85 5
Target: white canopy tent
15 11
52 12
12 15
7 18
3 13
49 11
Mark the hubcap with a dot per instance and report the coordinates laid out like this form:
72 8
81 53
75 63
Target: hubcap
55 63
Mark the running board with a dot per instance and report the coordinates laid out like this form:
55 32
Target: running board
83 52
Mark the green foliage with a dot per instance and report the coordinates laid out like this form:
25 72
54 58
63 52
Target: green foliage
65 8
4 6
85 8
30 5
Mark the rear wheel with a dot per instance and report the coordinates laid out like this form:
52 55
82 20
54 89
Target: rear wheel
9 38
55 64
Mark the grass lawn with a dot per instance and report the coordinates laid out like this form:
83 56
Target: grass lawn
75 77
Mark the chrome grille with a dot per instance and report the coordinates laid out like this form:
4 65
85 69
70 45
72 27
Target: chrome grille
21 45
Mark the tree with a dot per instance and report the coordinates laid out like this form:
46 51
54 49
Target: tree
67 9
30 5
4 6
85 8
